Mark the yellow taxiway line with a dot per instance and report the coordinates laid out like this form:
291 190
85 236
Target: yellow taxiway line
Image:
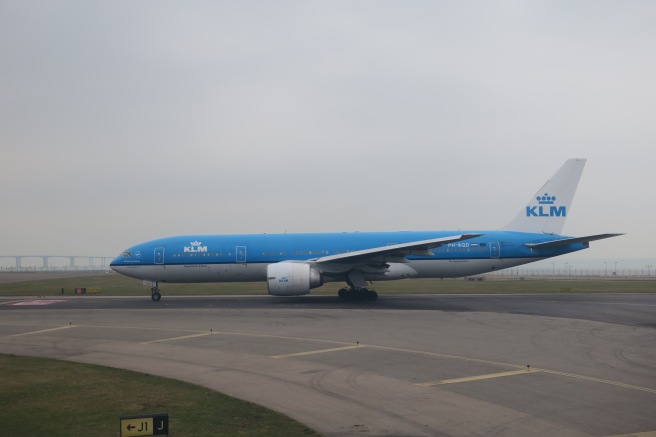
178 338
602 381
477 377
637 434
44 330
320 351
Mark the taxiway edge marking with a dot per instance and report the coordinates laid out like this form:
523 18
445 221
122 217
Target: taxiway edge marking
162 340
477 377
44 330
320 351
602 381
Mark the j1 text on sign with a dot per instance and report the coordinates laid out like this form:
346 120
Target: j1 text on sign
145 425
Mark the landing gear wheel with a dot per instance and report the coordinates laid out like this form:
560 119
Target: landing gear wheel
357 294
155 295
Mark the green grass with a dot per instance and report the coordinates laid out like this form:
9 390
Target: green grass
461 286
112 284
42 397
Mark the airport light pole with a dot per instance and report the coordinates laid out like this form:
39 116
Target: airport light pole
648 271
615 268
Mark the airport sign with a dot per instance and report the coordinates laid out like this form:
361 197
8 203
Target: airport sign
145 425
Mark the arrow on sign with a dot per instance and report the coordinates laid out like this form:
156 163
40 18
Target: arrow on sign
146 425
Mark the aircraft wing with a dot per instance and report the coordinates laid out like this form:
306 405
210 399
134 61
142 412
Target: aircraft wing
568 241
394 252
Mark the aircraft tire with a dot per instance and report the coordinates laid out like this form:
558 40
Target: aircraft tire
156 296
359 294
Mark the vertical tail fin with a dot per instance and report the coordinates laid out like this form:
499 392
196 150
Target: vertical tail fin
547 210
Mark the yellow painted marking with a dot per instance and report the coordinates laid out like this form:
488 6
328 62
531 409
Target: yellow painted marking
348 345
142 426
448 356
282 337
44 330
320 351
637 434
603 381
477 377
177 338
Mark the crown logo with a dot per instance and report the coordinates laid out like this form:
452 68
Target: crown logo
195 243
546 199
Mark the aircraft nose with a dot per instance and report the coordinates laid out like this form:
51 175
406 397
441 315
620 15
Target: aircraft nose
116 262
120 261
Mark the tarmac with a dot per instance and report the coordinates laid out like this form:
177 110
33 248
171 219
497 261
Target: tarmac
436 365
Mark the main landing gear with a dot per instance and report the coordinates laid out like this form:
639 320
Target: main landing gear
353 293
155 295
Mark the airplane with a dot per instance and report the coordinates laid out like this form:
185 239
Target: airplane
294 264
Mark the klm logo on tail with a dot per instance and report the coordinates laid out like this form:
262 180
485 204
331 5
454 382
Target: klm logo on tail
546 208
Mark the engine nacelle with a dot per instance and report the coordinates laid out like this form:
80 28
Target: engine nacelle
292 279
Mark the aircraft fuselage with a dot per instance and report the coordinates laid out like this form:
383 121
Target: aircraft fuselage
234 258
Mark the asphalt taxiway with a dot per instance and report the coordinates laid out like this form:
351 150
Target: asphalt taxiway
561 364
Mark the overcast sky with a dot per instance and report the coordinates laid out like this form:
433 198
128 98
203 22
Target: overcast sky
122 122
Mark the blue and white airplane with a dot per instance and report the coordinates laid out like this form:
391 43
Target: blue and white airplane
293 264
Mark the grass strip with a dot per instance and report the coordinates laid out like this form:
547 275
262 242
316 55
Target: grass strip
40 397
112 284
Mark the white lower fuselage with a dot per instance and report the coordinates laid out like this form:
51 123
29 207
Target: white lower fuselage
253 272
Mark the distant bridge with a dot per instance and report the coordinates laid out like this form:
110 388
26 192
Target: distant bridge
92 261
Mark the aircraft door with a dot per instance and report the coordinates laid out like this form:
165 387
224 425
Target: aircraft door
495 249
241 254
159 255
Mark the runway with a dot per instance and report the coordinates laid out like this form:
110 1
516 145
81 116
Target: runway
539 365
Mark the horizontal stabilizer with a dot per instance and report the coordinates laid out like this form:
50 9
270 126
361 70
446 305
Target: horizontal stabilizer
568 241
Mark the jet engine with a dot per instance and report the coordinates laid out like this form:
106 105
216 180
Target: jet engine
292 279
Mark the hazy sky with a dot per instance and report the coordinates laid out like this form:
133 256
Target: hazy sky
122 122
